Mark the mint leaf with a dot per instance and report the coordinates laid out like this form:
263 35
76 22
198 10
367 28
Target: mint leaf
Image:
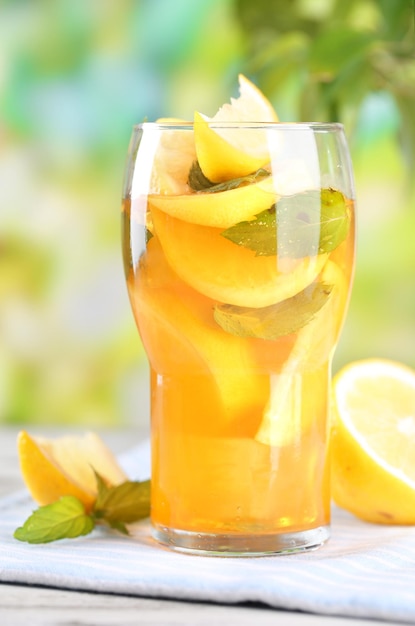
271 322
297 226
198 181
334 220
122 528
66 518
124 503
63 519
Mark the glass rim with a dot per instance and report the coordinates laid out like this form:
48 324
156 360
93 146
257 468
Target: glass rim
286 126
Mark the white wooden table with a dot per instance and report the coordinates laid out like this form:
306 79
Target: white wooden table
38 606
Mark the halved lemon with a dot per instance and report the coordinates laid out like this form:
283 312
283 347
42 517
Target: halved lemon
373 441
224 151
52 468
174 152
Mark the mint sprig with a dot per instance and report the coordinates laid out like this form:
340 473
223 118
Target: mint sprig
67 518
123 504
277 319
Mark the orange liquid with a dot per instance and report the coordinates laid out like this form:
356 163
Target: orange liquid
209 391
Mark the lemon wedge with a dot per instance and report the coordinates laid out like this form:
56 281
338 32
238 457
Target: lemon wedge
223 150
52 468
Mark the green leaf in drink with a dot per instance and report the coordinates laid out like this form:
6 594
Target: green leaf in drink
197 180
297 226
271 322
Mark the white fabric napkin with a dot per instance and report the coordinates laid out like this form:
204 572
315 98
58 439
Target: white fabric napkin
364 570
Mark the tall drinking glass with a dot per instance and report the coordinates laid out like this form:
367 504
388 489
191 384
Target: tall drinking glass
239 289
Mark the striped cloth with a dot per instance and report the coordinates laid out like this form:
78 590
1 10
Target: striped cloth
364 570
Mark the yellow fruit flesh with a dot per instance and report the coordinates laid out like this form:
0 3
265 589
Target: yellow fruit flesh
364 488
219 159
373 435
224 152
221 209
250 106
181 337
223 271
54 468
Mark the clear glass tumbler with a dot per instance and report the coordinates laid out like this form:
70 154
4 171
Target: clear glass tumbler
239 288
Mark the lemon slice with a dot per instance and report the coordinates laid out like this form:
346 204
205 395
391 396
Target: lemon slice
179 330
173 157
224 151
298 394
222 209
52 468
250 106
373 441
223 271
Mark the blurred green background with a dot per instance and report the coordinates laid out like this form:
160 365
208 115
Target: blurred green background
75 76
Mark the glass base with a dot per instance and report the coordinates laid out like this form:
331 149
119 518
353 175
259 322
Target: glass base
204 544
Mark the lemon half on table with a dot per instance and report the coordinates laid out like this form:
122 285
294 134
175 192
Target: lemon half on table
373 441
